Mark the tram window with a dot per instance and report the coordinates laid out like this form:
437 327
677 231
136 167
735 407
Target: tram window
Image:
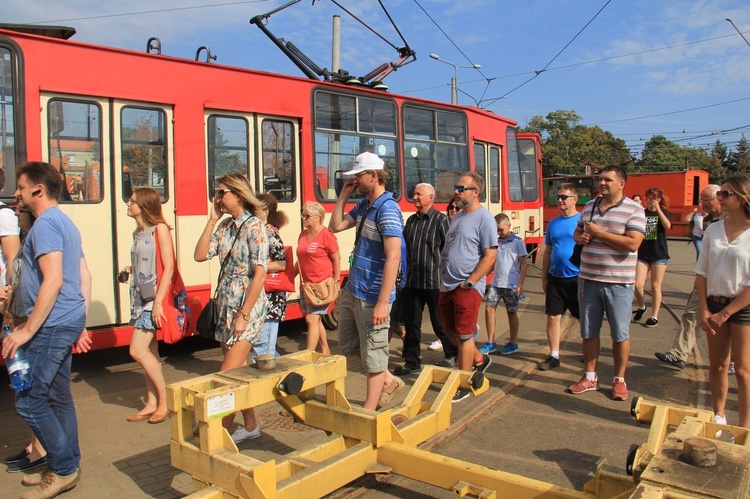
144 150
75 148
346 126
279 159
435 150
528 162
227 148
494 175
7 121
515 180
480 166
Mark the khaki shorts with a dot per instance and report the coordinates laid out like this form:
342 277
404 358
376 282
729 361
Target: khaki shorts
357 332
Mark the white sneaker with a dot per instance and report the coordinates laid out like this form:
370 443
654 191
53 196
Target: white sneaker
719 420
436 345
241 434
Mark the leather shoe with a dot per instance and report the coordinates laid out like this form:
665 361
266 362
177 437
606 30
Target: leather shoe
25 464
140 417
16 457
158 418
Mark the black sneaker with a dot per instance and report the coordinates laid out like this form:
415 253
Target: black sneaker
652 322
638 314
460 395
407 369
549 363
449 362
482 366
670 358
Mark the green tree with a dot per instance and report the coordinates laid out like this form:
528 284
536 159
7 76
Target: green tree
717 162
661 154
567 145
739 160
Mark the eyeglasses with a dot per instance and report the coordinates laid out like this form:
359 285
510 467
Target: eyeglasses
563 197
462 188
220 192
707 200
453 208
131 202
305 216
724 194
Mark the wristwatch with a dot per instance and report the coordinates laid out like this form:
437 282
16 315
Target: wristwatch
468 284
245 315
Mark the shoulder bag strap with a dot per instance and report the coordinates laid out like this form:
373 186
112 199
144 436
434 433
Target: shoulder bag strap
229 253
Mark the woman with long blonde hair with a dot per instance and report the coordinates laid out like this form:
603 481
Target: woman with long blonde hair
722 279
241 241
146 296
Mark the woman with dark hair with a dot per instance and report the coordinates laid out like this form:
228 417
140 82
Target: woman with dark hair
241 243
274 220
722 281
146 295
653 255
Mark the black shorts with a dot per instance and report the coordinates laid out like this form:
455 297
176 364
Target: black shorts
561 295
717 303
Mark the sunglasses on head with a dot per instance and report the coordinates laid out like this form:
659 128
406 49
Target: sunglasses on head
563 197
462 188
724 194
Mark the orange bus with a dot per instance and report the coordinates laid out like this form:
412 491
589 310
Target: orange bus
683 189
113 119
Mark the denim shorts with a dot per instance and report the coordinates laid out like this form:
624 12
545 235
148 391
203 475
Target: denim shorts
659 261
595 298
508 295
144 321
312 309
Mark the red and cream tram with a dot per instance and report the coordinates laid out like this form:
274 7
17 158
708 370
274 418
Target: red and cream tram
113 119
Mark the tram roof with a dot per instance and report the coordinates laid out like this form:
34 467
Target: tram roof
62 32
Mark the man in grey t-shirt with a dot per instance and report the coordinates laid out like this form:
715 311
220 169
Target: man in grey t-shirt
468 255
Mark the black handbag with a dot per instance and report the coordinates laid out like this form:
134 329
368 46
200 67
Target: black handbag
208 320
575 258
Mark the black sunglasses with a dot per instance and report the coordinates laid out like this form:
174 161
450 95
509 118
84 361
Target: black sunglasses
462 188
563 197
220 192
452 208
724 194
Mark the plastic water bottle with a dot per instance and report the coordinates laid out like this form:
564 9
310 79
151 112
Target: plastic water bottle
18 366
522 296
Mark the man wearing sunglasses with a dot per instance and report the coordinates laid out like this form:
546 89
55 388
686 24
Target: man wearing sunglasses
468 255
365 303
559 275
684 341
610 229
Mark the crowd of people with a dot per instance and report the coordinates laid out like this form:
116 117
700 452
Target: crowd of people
594 264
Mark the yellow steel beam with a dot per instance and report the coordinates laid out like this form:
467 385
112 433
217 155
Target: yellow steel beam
446 472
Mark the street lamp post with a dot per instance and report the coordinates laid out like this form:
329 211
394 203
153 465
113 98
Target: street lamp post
454 80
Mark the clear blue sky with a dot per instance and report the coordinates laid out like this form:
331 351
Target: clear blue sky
639 68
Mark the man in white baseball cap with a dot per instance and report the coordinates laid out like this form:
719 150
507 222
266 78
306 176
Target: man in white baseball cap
365 303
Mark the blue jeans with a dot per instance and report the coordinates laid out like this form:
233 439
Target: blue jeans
266 342
698 243
48 405
595 298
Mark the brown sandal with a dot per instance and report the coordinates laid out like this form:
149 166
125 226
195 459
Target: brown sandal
396 385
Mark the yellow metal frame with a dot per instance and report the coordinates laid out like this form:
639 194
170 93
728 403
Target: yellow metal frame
363 441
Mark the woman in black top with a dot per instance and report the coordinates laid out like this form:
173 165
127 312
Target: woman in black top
652 255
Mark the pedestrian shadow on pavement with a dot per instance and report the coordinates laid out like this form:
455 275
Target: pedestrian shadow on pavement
575 476
152 472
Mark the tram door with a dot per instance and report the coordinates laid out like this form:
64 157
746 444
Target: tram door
76 143
143 148
487 161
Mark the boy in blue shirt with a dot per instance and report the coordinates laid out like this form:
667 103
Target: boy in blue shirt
507 285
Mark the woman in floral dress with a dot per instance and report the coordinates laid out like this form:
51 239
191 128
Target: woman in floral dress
241 300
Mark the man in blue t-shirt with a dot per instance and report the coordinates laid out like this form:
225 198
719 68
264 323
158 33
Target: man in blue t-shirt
365 303
55 290
559 275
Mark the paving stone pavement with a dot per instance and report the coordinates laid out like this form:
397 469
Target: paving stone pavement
123 460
